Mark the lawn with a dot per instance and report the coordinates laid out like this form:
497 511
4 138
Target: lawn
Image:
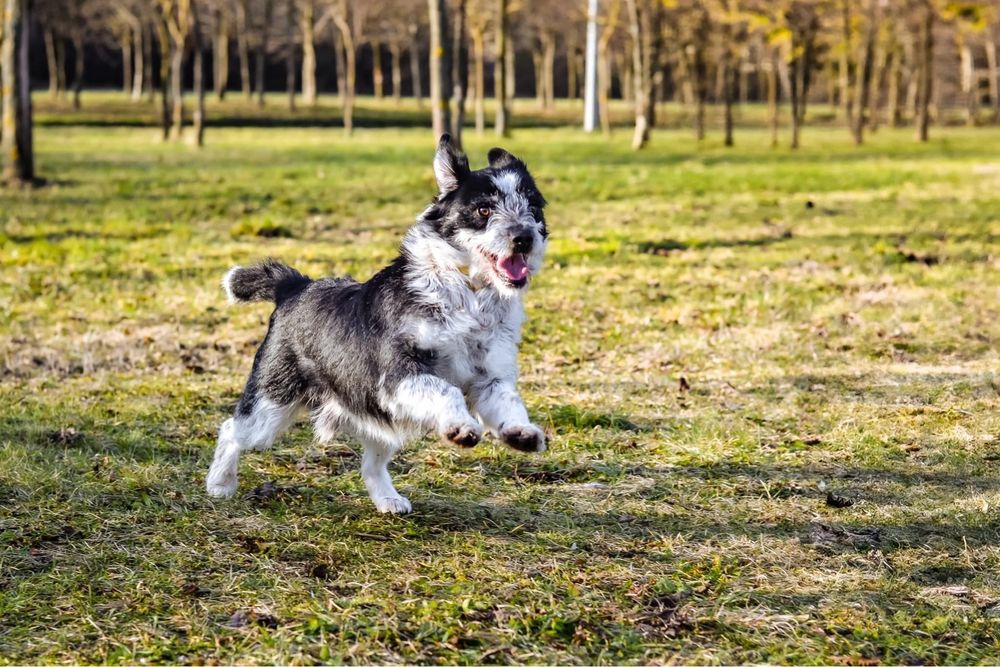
769 380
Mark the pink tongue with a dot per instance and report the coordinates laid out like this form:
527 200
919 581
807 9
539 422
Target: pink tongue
514 267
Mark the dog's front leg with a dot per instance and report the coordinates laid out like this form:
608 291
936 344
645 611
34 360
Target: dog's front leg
437 404
500 407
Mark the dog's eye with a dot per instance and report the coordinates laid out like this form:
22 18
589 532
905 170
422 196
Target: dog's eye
484 211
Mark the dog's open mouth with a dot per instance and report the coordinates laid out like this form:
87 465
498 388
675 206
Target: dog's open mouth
512 269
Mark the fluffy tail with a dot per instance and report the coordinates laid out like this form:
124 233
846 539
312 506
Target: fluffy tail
269 280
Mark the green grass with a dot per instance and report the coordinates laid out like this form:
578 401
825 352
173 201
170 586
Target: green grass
834 314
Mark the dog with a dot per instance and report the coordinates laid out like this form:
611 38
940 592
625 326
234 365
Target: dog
429 343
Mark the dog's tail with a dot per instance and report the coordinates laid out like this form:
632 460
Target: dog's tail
269 280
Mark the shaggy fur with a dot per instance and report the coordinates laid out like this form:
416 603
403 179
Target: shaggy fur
428 343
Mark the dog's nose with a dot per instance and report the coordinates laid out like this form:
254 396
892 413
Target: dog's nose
523 241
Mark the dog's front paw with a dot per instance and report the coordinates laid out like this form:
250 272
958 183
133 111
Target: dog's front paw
525 438
463 435
393 505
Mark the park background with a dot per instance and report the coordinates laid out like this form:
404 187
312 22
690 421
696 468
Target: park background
763 343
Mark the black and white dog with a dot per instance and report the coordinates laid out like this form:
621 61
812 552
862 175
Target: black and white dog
390 359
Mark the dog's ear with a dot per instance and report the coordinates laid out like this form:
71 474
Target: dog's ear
451 167
499 158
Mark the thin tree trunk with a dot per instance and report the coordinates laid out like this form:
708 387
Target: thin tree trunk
510 67
925 74
139 66
729 82
396 67
147 63
350 72
500 70
125 44
340 62
378 76
79 62
416 81
290 53
863 75
875 86
220 54
176 89
52 62
536 62
479 68
968 79
198 119
165 58
16 143
994 74
892 111
572 72
844 65
459 70
440 66
605 65
261 59
641 25
243 47
307 27
772 95
548 69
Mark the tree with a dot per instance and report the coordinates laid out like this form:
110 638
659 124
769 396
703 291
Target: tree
16 139
440 67
924 14
349 16
500 70
802 18
459 70
177 19
644 26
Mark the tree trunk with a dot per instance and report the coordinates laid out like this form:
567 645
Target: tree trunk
243 47
479 68
440 67
641 30
729 82
17 140
459 70
510 67
378 77
548 69
52 61
307 25
165 58
125 45
572 72
176 89
968 81
772 95
892 110
994 74
79 63
844 66
536 62
500 70
139 68
863 75
147 63
350 72
261 60
605 65
925 73
875 86
198 119
396 67
416 81
340 62
290 53
220 54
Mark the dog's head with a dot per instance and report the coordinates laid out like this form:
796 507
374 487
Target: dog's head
493 217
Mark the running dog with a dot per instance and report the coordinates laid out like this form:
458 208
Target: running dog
428 343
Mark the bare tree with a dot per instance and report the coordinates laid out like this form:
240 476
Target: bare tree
644 17
500 70
440 66
15 121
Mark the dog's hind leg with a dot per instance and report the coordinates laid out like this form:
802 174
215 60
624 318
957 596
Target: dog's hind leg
256 425
375 473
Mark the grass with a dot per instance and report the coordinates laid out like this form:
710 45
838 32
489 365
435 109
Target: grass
720 339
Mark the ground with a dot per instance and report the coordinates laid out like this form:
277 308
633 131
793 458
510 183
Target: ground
768 378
